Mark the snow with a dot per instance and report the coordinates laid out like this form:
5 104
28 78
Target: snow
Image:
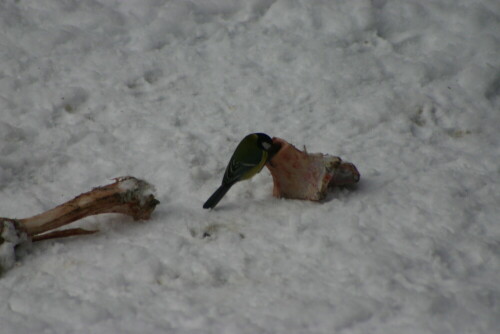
10 238
409 91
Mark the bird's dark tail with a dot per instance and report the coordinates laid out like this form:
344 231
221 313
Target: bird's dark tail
216 196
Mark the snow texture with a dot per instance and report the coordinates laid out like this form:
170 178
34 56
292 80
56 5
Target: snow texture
11 240
407 90
8 240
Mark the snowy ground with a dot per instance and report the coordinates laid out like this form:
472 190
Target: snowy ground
408 90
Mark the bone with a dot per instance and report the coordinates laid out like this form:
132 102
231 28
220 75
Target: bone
307 176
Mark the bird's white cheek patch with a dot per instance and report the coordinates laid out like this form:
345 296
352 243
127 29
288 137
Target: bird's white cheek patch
266 146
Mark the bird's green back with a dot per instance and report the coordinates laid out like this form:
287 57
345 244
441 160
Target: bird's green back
246 161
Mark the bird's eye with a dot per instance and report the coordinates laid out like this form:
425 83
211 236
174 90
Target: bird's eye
266 145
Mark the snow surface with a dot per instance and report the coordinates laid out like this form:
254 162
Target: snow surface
407 90
10 240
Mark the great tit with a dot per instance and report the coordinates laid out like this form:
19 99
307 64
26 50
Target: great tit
250 156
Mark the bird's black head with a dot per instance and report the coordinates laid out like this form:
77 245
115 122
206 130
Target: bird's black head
264 141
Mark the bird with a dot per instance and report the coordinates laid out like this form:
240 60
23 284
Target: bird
248 158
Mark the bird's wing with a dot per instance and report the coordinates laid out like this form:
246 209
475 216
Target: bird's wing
236 170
